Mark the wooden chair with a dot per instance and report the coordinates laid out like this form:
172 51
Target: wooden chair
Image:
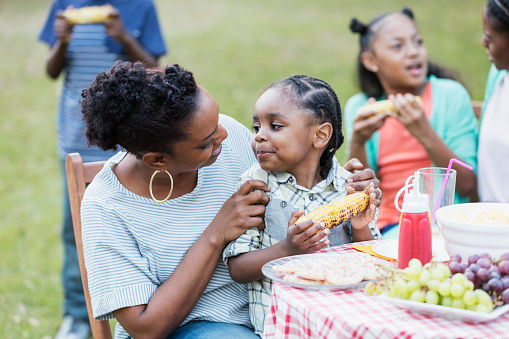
80 174
477 106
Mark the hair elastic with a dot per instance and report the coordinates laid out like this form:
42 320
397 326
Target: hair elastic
502 8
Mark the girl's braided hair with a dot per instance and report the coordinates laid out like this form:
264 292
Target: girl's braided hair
498 10
368 80
317 97
142 110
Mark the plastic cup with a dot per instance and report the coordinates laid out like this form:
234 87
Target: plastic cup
431 181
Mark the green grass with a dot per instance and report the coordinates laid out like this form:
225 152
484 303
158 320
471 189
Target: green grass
235 49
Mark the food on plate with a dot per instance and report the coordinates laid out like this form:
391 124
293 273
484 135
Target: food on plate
337 212
346 269
382 106
449 285
488 217
88 15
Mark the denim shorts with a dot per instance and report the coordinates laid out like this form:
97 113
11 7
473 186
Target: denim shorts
207 329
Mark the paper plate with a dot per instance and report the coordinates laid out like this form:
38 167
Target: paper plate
389 248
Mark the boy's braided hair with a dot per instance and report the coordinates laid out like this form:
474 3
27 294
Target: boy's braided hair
317 97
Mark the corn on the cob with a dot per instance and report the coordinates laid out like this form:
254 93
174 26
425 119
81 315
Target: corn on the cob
337 212
381 106
88 15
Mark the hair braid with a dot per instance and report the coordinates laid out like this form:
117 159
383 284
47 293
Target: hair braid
319 98
499 10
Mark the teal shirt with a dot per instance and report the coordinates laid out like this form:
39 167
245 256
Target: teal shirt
452 117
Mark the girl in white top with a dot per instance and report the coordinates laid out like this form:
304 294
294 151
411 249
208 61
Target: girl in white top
493 152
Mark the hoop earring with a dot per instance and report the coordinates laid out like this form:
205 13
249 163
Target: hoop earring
150 187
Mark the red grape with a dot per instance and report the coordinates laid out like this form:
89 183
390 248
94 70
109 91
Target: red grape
473 259
469 275
485 255
474 267
483 275
494 285
505 282
456 257
505 296
504 267
484 262
455 267
504 256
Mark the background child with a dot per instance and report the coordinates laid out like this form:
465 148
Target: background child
297 130
131 32
493 141
393 63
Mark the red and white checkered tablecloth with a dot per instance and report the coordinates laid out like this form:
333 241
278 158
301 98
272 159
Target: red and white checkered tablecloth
299 313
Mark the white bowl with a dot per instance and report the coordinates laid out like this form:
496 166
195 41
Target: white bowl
466 238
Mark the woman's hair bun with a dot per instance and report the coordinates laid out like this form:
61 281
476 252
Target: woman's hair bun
408 12
358 27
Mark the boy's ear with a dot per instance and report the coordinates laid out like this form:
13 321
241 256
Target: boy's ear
369 61
158 161
323 133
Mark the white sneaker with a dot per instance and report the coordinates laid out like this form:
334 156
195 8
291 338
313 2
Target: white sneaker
73 328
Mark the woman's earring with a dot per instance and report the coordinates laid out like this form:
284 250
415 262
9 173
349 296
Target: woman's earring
150 187
374 69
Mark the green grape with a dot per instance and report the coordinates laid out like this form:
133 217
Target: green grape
433 284
424 277
472 307
412 272
483 298
469 298
415 262
370 288
446 271
418 295
446 301
457 303
483 308
391 292
413 285
437 273
378 289
457 290
469 286
445 288
401 288
432 297
427 265
458 278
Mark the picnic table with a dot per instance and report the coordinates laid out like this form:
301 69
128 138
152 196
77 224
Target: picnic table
307 313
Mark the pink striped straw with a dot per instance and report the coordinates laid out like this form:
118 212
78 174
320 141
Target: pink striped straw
445 182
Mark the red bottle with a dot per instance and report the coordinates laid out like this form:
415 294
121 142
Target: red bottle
414 225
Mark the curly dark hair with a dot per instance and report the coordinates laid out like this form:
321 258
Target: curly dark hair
318 98
368 80
497 12
141 110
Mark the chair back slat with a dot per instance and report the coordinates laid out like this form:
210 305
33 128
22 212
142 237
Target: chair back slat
80 174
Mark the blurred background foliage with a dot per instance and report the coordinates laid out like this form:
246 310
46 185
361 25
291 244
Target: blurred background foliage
234 48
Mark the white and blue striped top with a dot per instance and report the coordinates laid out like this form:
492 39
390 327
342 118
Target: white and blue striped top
92 51
133 244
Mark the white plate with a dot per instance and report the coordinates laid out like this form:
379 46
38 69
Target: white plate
389 248
445 311
268 271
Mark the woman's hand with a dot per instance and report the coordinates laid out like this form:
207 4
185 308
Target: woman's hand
115 27
361 178
302 241
411 115
243 210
